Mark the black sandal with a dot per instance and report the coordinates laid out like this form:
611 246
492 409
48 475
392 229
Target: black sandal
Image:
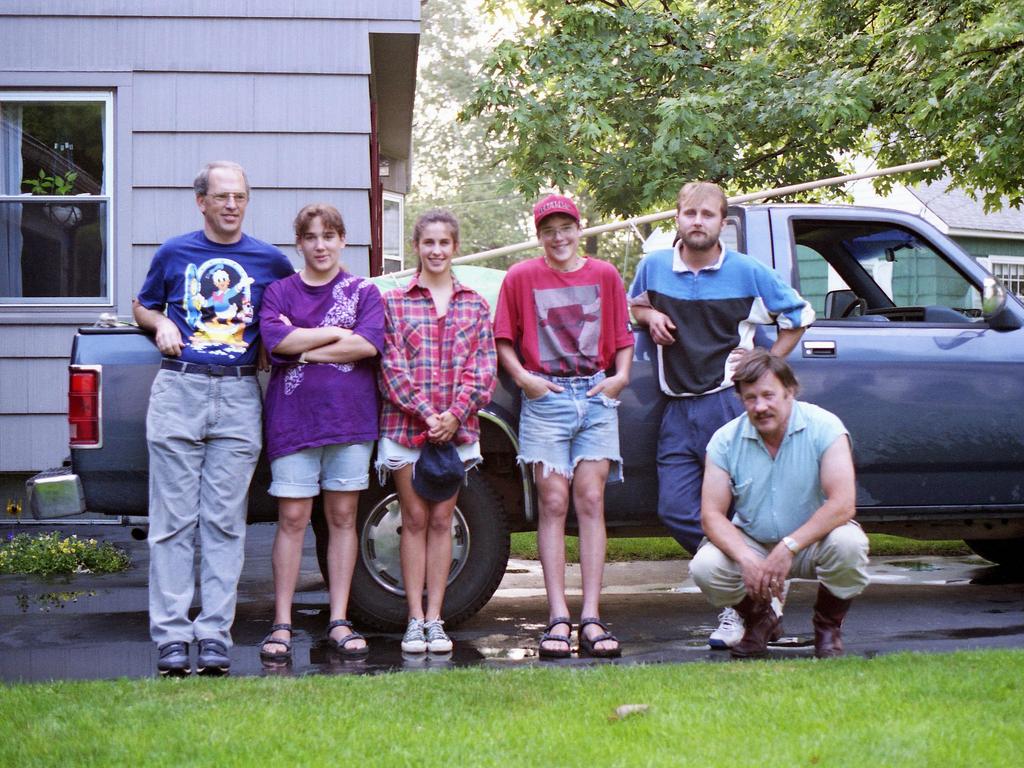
341 646
556 653
587 643
277 656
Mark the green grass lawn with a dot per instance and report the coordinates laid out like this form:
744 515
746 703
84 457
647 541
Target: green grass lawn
524 546
958 709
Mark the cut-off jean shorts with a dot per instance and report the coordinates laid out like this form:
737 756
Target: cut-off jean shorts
560 429
392 456
340 467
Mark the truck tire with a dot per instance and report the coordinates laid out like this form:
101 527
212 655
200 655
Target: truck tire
480 551
1009 552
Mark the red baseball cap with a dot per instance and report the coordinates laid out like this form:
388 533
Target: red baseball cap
554 204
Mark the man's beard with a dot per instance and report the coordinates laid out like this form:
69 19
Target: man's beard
698 241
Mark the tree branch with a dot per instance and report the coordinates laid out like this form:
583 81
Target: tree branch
997 50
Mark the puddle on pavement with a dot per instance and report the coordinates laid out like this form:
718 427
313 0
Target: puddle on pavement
793 641
964 633
49 601
508 654
913 565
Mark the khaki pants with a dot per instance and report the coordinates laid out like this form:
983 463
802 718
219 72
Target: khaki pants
839 561
204 439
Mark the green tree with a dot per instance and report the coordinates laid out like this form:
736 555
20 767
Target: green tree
456 165
944 80
628 98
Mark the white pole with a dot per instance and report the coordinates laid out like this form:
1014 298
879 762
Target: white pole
653 217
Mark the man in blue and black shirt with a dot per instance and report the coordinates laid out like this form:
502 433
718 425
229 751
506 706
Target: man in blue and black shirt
701 303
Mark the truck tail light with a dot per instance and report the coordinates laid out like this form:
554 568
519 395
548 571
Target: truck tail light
84 406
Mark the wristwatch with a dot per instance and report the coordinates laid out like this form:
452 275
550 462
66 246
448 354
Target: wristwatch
791 544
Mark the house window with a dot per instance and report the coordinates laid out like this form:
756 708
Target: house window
55 197
393 232
1010 272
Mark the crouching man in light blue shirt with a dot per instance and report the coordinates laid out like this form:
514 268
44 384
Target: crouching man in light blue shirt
786 469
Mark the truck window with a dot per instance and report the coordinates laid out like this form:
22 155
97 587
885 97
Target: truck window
890 272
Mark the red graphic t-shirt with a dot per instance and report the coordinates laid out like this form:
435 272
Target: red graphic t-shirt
564 323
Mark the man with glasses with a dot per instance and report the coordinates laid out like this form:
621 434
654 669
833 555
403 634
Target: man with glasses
562 333
204 425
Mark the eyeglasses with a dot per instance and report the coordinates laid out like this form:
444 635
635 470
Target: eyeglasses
566 230
240 198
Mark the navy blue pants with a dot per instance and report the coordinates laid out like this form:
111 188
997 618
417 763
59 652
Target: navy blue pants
687 425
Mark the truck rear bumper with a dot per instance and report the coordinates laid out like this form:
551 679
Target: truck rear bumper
55 493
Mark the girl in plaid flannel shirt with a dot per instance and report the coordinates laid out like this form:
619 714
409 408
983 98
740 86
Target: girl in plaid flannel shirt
437 371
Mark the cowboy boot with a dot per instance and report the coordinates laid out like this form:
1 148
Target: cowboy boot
761 624
829 612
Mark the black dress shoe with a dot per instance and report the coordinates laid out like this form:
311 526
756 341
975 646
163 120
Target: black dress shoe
173 661
213 658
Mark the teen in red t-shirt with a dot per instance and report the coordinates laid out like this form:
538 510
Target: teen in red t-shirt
562 333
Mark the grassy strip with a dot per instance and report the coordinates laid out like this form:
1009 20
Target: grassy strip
882 544
524 546
964 708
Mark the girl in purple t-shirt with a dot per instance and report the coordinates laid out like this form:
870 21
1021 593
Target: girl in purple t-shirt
324 329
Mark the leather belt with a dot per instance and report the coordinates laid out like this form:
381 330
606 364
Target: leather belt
234 371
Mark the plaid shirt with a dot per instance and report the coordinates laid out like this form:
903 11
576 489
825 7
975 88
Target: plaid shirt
426 370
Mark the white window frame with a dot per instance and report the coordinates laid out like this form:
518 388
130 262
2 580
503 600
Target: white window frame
106 194
995 260
394 197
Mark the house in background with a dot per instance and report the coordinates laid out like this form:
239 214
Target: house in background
995 240
107 110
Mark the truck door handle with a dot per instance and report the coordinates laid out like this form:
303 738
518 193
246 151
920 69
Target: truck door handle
819 349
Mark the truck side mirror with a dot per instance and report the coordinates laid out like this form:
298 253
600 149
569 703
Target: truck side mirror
838 303
993 306
993 297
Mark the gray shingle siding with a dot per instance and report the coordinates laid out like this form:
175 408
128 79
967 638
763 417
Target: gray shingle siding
282 86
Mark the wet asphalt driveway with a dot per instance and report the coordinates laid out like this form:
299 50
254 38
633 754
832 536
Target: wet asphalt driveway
92 627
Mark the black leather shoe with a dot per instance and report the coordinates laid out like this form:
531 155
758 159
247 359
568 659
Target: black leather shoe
213 658
173 661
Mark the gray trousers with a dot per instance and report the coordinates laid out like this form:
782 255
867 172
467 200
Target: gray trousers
204 436
839 561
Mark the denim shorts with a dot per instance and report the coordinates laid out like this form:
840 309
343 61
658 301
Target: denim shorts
340 467
561 429
392 456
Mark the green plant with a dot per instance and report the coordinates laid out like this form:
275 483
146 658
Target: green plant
46 554
51 185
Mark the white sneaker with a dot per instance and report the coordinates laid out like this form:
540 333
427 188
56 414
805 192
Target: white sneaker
437 640
414 641
730 630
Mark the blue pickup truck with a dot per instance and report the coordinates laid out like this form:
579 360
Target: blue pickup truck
916 348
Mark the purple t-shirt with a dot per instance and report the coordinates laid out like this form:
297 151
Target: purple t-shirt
309 405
